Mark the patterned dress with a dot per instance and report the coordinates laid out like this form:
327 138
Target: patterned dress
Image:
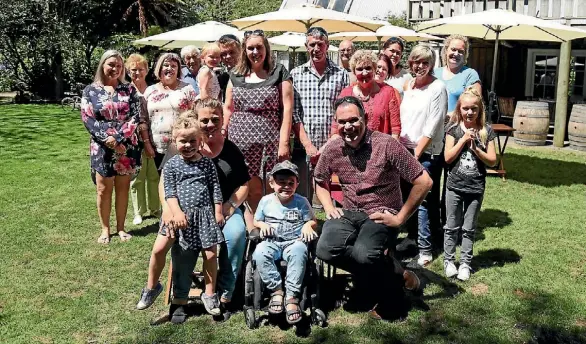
196 187
164 108
214 88
116 115
255 124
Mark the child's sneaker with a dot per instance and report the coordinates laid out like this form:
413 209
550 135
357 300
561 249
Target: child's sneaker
211 303
148 296
464 272
424 259
450 269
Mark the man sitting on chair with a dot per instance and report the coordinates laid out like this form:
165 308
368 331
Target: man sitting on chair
369 166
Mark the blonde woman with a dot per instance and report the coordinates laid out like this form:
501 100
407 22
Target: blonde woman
110 111
209 86
144 187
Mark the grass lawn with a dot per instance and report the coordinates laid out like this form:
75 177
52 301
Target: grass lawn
57 285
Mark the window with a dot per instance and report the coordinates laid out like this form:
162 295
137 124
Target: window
542 70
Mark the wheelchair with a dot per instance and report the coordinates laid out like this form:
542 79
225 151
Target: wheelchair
256 295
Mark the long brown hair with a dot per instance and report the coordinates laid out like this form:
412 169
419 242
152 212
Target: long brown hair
244 66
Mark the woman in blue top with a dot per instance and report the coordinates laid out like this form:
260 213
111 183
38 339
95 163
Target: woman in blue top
455 74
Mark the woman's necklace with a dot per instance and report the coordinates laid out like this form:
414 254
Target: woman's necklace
358 93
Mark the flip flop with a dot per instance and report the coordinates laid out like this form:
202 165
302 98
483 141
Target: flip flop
124 236
104 239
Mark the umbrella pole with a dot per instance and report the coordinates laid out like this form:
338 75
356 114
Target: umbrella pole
491 94
379 39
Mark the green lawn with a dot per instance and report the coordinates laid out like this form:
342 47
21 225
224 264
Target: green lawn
58 285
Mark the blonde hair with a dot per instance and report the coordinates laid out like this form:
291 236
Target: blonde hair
187 120
136 59
210 48
447 43
170 57
99 77
456 118
361 56
422 52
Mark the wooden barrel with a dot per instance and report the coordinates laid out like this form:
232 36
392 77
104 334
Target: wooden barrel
577 127
531 123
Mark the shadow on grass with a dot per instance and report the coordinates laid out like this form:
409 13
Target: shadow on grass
544 172
496 257
547 335
491 218
146 230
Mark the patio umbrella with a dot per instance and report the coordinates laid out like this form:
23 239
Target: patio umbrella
291 40
383 33
198 35
501 24
301 18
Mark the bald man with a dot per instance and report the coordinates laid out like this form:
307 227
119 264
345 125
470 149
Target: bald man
346 50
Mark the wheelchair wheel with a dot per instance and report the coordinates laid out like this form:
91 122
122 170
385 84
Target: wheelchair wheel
319 318
250 318
68 103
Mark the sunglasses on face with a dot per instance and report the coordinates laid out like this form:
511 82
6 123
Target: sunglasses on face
360 69
255 32
315 29
214 120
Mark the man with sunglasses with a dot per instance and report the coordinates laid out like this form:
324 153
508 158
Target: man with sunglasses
317 85
230 53
357 237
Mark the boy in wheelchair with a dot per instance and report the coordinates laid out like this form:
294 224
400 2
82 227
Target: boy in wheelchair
287 223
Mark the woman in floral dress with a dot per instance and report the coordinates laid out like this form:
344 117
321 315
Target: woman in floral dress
110 111
258 110
165 101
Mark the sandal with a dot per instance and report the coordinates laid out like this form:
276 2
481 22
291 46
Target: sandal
104 239
293 312
211 303
276 306
124 236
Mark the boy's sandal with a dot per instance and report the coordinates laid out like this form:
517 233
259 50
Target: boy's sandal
104 239
211 303
291 312
276 306
124 236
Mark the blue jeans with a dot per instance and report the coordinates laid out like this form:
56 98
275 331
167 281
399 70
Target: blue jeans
428 215
294 252
462 214
231 254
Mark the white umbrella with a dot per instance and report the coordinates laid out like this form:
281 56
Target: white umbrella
198 35
502 24
383 33
301 18
291 40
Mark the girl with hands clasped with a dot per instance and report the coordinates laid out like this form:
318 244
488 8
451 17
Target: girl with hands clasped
194 198
469 147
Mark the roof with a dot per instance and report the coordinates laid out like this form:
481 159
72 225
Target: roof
374 9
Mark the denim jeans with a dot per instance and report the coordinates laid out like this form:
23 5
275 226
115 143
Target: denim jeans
231 254
294 252
462 211
356 244
184 261
428 213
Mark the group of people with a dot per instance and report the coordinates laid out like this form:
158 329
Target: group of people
218 130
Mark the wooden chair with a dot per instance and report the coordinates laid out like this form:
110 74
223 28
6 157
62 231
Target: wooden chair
506 109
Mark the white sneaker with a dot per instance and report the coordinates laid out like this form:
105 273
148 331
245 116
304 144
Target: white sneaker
464 272
137 220
424 259
450 269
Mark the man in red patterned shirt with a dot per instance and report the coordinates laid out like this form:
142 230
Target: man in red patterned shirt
369 166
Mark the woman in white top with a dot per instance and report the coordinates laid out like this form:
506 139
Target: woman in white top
209 85
393 48
424 106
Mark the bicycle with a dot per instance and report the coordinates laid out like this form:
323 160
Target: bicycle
73 100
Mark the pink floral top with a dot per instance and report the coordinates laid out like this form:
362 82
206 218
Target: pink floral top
164 107
112 115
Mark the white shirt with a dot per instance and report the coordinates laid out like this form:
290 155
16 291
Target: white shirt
398 81
422 114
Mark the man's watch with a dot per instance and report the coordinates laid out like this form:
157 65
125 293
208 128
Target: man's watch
233 204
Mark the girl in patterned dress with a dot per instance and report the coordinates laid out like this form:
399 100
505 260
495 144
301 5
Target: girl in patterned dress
209 85
193 194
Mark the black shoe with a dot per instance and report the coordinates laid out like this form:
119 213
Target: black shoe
227 311
406 245
177 314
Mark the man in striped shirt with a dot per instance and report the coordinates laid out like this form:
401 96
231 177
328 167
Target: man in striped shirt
317 85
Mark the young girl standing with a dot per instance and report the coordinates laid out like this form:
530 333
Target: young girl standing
193 194
209 85
469 147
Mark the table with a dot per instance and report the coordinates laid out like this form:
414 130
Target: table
498 129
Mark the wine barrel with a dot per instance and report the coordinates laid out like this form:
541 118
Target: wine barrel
577 127
531 123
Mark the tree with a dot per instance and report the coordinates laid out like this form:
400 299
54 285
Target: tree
225 10
155 11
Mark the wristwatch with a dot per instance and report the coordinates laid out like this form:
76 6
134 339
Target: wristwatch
233 204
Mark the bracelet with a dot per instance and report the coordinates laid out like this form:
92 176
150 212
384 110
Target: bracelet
233 204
